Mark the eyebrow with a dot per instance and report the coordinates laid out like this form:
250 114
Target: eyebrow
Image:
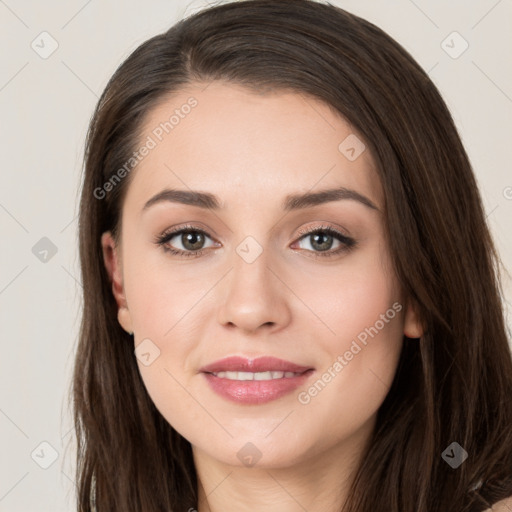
290 203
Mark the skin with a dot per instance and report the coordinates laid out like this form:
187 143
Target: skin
251 150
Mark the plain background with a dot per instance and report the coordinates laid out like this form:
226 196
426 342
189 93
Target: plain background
45 107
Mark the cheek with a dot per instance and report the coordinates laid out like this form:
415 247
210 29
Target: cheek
361 306
164 307
160 295
353 296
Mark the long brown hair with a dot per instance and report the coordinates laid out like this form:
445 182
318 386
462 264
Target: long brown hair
452 385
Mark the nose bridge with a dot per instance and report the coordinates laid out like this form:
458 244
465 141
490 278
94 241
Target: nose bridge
251 268
253 294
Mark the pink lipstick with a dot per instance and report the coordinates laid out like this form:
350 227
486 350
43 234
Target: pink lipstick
255 381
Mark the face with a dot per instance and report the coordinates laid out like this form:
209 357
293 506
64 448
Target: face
259 275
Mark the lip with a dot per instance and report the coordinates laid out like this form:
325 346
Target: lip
260 364
253 392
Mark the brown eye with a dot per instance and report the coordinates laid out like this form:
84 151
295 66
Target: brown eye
191 239
321 240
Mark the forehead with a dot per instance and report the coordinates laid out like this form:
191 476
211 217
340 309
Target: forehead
227 139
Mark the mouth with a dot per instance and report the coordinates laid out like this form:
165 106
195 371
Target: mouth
248 381
269 375
259 365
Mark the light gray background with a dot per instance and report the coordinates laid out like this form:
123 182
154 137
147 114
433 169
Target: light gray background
45 107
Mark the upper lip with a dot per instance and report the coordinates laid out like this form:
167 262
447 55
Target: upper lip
260 364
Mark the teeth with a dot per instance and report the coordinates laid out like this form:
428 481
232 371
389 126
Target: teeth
255 375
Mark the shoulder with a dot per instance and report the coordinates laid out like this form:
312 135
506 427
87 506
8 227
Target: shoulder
502 506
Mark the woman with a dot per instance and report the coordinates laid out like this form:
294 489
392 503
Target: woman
291 296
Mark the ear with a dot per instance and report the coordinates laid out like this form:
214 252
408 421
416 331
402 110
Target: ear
112 260
413 327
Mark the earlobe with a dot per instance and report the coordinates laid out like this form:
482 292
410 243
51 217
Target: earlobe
125 320
112 261
413 327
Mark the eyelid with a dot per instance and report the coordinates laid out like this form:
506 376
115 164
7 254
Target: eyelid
323 227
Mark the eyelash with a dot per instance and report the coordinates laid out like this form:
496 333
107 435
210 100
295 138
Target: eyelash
347 242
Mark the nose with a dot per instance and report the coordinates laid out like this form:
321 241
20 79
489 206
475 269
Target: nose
254 296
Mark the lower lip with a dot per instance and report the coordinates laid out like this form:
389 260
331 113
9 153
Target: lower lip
255 391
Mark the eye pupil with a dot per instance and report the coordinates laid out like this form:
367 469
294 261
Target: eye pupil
323 246
194 238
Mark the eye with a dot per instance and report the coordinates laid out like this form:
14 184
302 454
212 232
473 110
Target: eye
322 239
190 238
